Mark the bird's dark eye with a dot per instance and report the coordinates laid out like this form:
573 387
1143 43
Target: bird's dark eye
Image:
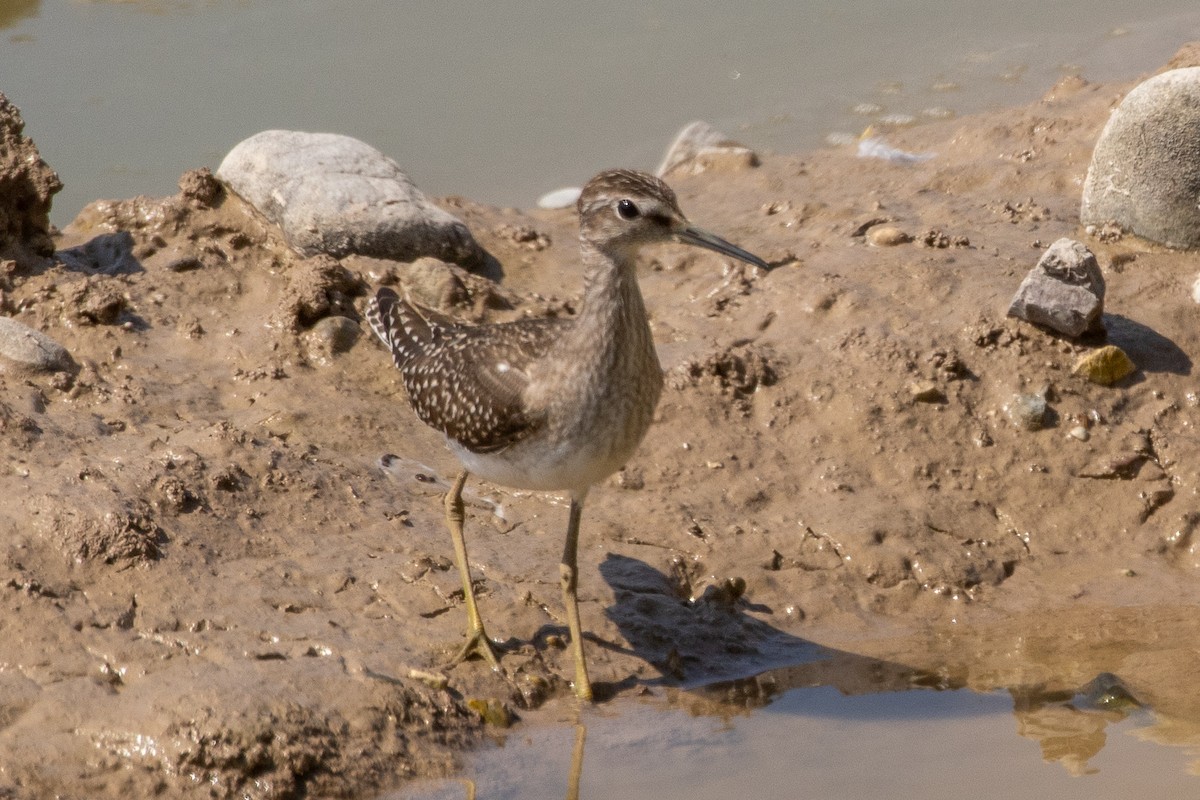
626 209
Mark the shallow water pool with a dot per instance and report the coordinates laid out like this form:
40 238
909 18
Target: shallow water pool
820 742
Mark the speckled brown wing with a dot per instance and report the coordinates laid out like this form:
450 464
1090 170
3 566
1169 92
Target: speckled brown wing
467 381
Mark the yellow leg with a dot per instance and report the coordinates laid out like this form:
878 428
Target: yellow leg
477 638
569 574
576 763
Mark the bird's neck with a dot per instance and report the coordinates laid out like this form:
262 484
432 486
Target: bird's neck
612 309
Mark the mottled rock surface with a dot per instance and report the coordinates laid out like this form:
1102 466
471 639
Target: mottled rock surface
1145 170
1105 366
335 195
1064 292
24 348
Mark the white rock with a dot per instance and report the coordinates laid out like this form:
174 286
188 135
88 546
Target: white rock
1145 171
560 198
875 147
334 194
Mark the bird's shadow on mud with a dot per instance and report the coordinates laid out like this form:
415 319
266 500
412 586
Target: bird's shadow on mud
695 640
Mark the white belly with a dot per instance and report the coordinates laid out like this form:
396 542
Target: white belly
538 466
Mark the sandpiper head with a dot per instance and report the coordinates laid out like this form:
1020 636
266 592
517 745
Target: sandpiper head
622 209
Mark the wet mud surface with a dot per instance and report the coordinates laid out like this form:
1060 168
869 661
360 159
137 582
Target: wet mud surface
225 570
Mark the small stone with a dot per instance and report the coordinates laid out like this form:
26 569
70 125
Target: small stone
560 198
185 263
434 680
24 348
333 335
700 147
1027 411
493 712
1063 292
887 236
1105 366
1081 433
927 392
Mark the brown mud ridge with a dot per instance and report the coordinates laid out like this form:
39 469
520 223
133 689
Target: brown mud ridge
225 568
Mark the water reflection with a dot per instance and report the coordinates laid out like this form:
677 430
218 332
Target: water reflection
13 11
906 740
1092 694
845 725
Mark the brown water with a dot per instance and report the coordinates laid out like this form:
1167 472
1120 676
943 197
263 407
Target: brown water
502 102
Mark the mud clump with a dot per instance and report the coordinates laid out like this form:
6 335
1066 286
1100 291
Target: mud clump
95 301
200 186
316 287
736 373
107 534
27 186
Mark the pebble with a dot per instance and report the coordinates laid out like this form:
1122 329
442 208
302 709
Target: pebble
1081 433
185 263
927 392
29 349
887 236
1105 366
334 334
1027 411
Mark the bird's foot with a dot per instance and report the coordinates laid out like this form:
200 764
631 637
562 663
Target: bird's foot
478 644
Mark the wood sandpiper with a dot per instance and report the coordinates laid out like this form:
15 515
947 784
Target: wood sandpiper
548 404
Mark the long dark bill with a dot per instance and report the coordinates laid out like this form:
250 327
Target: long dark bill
699 237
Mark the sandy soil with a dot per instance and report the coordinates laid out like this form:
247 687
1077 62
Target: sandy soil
225 571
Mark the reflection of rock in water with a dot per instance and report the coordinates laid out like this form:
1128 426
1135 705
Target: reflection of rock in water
14 11
1070 727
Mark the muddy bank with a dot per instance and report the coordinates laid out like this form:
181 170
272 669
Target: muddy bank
225 566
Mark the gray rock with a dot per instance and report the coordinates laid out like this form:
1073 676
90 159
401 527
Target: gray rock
1027 411
26 349
334 194
1145 170
332 336
700 147
1064 292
